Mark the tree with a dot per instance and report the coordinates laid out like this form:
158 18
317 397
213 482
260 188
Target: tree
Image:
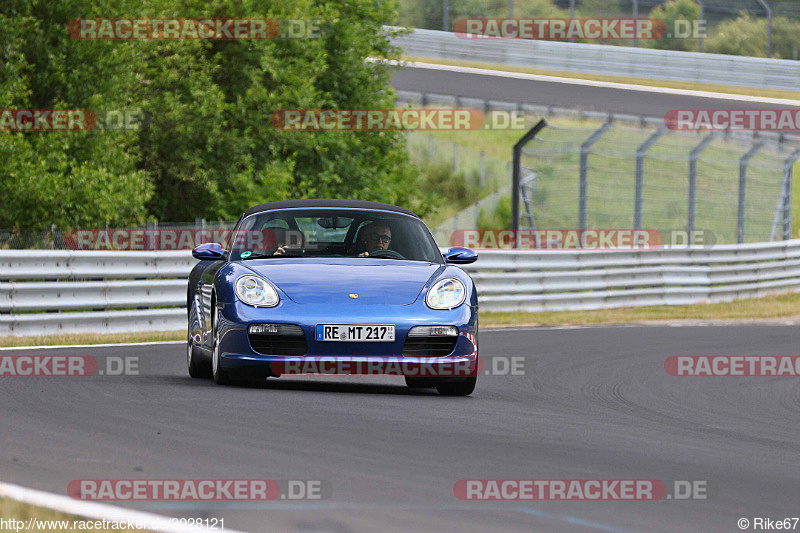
747 36
682 10
209 148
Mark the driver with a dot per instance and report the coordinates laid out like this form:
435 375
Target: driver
374 236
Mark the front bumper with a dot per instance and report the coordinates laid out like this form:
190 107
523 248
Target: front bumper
240 359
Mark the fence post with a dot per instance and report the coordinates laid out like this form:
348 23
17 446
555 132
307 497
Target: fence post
431 148
742 190
785 202
455 158
517 173
769 26
695 153
703 19
639 197
587 144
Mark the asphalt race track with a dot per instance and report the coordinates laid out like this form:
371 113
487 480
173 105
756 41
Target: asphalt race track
559 94
593 403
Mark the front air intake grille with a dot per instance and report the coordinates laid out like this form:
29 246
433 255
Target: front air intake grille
280 339
429 346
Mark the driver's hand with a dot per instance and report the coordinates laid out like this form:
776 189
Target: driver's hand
280 251
363 254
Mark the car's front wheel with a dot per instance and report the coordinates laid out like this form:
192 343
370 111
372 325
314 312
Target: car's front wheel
220 376
457 388
197 369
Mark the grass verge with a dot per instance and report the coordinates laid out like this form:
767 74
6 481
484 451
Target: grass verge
12 509
93 338
781 306
710 87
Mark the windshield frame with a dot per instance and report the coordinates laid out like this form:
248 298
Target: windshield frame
384 213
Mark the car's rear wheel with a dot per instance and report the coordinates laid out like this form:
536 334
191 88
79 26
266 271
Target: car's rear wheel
220 376
457 388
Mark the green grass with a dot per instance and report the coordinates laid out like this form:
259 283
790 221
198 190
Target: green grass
783 306
93 338
12 509
611 175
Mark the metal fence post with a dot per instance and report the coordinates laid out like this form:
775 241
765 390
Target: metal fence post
769 26
695 153
455 158
639 195
742 190
786 192
517 173
587 144
702 18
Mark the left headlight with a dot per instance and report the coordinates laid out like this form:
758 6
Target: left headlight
446 293
257 292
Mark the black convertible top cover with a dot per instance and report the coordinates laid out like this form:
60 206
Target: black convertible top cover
321 202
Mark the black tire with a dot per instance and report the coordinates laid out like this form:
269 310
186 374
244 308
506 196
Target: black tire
220 376
457 388
197 369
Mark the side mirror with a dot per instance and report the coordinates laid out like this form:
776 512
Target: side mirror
460 256
211 251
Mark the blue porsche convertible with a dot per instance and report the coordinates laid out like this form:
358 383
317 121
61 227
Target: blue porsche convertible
333 286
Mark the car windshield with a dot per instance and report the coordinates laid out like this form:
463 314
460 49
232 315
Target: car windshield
319 232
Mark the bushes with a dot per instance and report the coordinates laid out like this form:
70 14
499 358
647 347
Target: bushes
747 36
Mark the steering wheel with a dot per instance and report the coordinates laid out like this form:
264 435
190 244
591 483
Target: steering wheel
386 254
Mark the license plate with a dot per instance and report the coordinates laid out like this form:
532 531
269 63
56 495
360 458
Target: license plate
355 333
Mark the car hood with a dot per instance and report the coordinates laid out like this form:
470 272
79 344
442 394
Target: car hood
333 281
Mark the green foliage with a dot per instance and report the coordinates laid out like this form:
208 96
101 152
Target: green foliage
210 149
500 218
684 10
442 186
64 178
747 36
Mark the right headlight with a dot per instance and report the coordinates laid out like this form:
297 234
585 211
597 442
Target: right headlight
257 292
446 293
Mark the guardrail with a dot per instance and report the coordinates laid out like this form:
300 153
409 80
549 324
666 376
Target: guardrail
607 60
45 292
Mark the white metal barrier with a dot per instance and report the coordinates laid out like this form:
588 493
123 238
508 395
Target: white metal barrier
606 59
44 292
